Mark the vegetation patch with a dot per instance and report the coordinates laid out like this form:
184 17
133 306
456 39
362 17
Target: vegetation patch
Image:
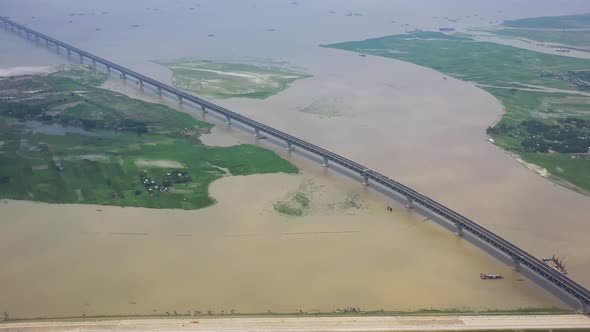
565 37
353 201
228 80
565 32
297 203
101 147
581 21
326 107
539 92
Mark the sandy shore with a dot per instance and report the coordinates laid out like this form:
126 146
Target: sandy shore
309 324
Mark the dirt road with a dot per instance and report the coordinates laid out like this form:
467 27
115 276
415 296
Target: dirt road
312 324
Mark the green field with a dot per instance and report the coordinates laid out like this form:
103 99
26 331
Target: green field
581 21
64 140
523 80
565 37
572 31
228 80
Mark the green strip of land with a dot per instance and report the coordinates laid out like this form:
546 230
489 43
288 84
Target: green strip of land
548 117
570 32
581 21
65 140
573 38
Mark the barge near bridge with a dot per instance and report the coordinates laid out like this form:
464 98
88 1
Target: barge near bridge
520 257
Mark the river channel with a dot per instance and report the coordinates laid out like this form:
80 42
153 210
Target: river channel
400 119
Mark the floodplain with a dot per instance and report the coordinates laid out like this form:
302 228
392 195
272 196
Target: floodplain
66 140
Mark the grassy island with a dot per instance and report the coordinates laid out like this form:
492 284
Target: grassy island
63 139
228 80
565 32
547 119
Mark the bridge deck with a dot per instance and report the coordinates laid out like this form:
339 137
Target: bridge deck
519 255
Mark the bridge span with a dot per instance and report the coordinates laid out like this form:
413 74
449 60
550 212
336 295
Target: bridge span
520 257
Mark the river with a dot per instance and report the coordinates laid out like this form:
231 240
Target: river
403 120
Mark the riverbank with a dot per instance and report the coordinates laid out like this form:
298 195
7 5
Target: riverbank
345 312
312 324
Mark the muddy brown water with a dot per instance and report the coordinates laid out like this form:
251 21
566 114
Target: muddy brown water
403 120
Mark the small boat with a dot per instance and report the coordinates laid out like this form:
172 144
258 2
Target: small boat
484 276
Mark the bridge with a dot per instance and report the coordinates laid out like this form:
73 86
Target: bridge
462 224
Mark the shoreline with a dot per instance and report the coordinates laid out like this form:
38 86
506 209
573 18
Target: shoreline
417 313
544 173
570 322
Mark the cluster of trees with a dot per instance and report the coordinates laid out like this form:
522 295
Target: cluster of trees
567 135
580 79
25 111
500 128
20 110
124 124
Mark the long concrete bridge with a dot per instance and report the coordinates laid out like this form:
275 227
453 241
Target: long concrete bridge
462 224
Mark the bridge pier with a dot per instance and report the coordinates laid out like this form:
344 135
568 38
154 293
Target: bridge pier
159 91
409 203
365 179
289 146
203 109
94 63
257 133
140 82
515 264
459 231
180 100
123 76
228 120
81 58
326 162
583 309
